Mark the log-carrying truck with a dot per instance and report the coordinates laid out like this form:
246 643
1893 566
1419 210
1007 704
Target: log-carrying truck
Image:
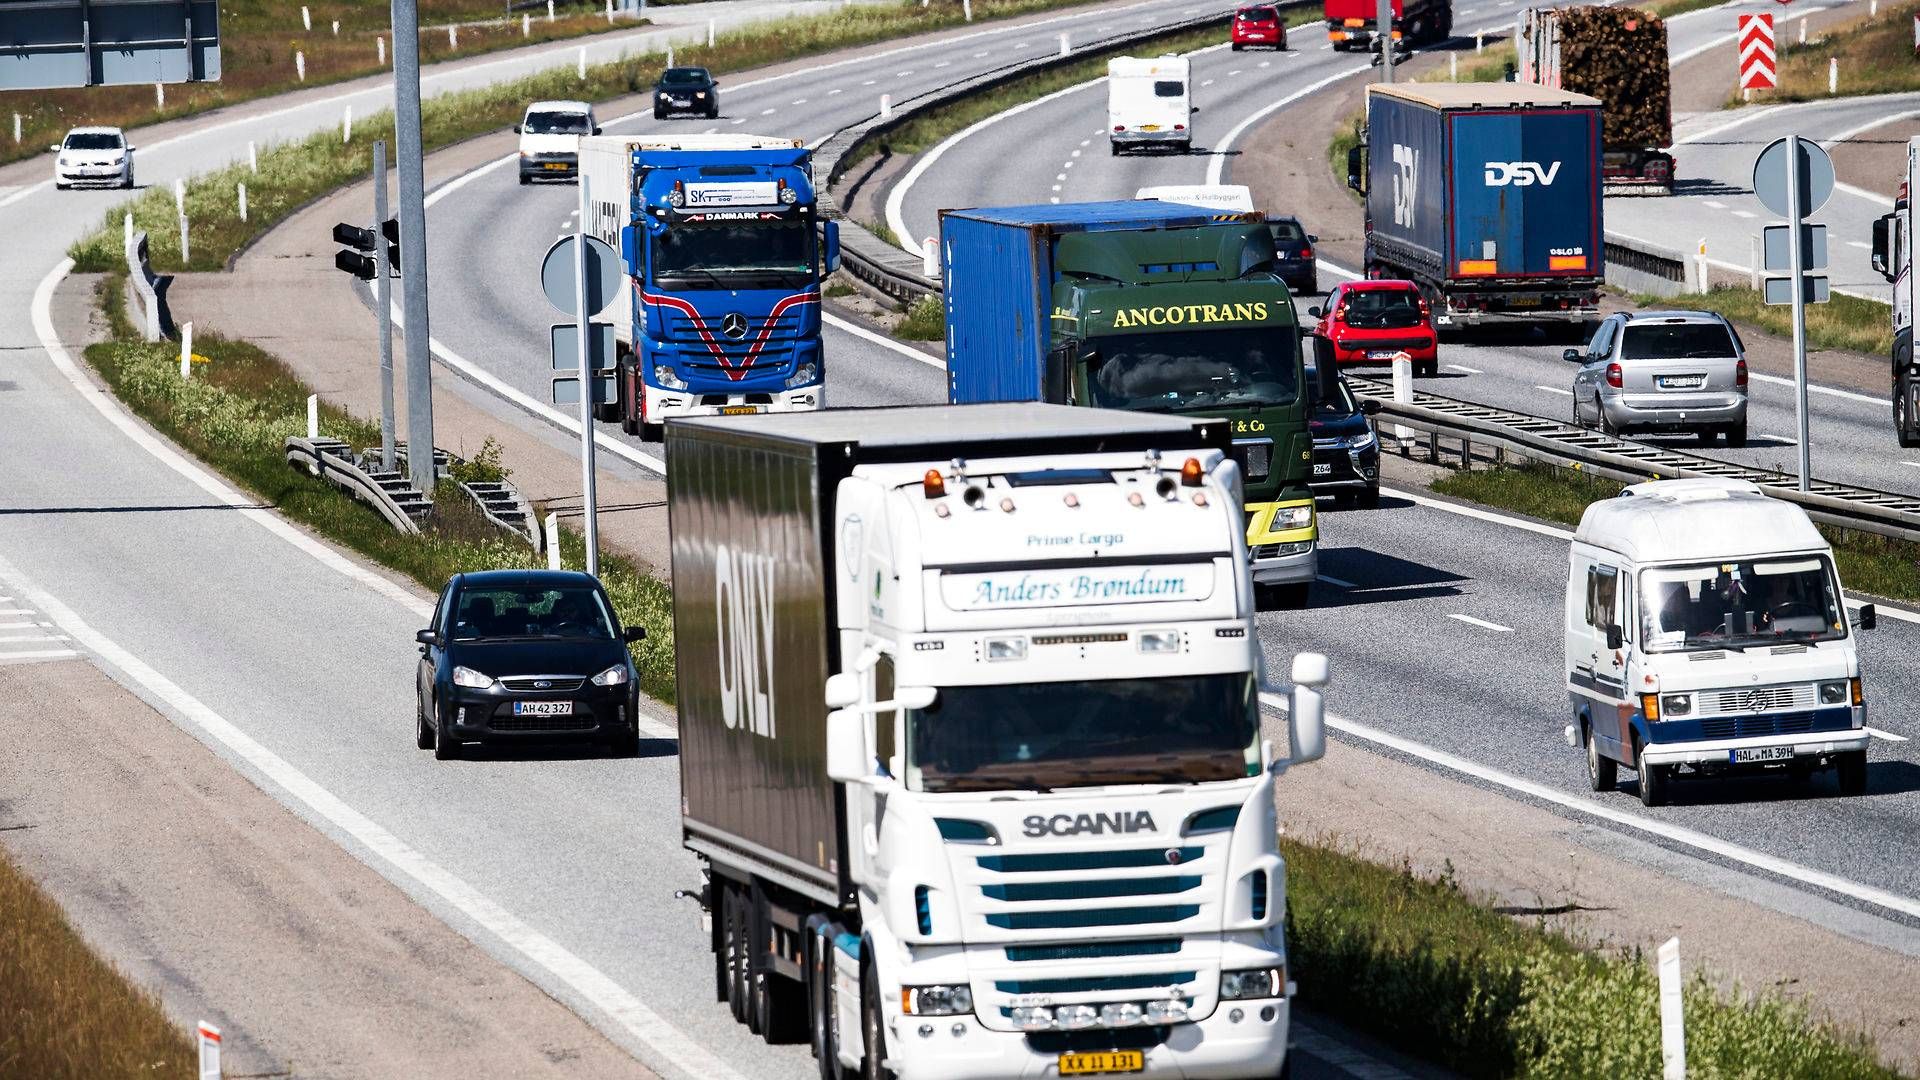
970 741
1147 306
723 245
1618 55
1487 196
1893 258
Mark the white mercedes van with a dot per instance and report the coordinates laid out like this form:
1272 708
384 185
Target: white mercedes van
1707 634
550 139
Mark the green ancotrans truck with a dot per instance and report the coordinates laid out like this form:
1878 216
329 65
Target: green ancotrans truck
1149 306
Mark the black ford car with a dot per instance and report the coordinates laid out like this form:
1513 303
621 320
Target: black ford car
1346 452
686 90
525 654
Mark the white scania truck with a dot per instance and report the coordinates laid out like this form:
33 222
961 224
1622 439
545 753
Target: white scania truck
970 740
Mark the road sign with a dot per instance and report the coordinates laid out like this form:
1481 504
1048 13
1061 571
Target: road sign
566 390
565 339
1757 71
1770 177
1775 241
604 277
1814 289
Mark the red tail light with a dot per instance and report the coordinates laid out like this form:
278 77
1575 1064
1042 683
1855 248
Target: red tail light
1179 127
1740 373
1119 127
1306 253
1613 376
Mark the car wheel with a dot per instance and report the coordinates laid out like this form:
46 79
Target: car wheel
525 179
1737 435
126 182
1236 46
1603 773
1428 370
1369 498
1313 285
1113 148
627 743
1852 768
713 113
1654 780
423 736
1706 436
1607 427
445 746
873 1031
659 114
58 186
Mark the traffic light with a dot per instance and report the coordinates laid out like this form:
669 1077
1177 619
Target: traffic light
360 241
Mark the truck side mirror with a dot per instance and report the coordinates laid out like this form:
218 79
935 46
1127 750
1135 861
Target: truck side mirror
1615 639
830 241
1326 373
1882 250
1866 618
843 690
630 249
1056 380
846 746
1357 168
1306 710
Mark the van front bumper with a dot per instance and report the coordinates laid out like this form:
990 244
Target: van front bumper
1721 751
558 166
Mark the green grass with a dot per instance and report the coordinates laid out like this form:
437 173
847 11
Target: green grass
1424 966
1667 9
1345 138
294 174
884 231
1875 565
235 415
1875 53
926 321
1847 322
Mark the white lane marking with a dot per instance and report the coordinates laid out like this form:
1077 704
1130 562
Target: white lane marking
1482 623
1814 388
38 654
1887 735
109 407
981 53
763 112
1056 187
1719 40
19 626
903 74
869 82
795 101
1263 63
1860 129
1678 834
1915 464
29 611
34 637
1218 163
1019 44
1208 82
944 63
1465 368
1744 214
836 90
884 342
1076 153
1745 117
1230 74
1054 199
1084 142
1861 244
1714 204
1331 580
621 1007
738 120
1554 390
1065 165
1057 176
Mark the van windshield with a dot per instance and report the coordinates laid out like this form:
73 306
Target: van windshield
557 123
1735 605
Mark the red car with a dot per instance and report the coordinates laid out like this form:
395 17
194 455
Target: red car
1368 321
1258 25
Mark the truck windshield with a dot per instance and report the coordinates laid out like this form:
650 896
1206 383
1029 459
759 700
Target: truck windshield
1196 369
1739 604
1080 734
734 255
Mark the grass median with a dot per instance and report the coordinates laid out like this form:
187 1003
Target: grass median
291 175
236 413
65 1012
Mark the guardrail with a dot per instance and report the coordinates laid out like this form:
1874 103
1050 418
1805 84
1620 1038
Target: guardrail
1554 442
388 494
142 286
503 505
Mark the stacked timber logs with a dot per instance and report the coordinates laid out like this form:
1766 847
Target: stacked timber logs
1616 54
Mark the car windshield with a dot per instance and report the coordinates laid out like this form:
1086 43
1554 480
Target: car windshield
1286 232
1190 729
689 77
734 255
1672 341
1258 14
1739 604
1196 369
557 123
500 614
93 140
1381 308
1340 404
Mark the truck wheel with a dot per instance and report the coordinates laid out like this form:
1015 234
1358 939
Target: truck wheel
652 432
718 942
736 946
1603 773
1737 436
1905 425
873 1030
821 1006
1852 768
1654 780
777 1003
1290 597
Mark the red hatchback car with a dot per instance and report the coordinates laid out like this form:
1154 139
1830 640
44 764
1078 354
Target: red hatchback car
1369 321
1258 25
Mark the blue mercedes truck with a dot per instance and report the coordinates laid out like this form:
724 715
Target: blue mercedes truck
1486 195
724 252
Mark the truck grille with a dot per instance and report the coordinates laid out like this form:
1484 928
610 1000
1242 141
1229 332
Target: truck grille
1756 699
690 330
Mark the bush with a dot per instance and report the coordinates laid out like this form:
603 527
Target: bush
926 321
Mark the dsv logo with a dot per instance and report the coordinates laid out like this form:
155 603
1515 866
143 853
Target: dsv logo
743 599
1406 176
1520 173
1126 821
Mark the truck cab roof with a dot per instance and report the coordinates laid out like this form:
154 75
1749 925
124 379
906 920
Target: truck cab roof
1697 520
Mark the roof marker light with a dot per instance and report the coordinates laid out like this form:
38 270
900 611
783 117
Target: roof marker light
934 484
1190 474
1199 498
1134 499
1072 500
1006 506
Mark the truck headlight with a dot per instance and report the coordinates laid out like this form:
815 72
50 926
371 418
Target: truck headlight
676 198
1833 693
804 375
1171 1011
952 1000
1292 517
1677 704
613 676
668 378
1260 983
471 679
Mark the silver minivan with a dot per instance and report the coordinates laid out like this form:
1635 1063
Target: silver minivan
1663 371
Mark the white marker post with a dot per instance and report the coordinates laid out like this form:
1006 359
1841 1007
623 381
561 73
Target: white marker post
382 42
1803 28
186 351
300 65
306 17
346 125
241 190
1673 1025
1700 266
1873 9
1402 391
1453 67
930 257
253 158
186 253
526 24
1753 279
1065 46
553 541
710 31
1833 74
159 95
209 1051
609 12
313 416
179 196
1479 40
583 62
127 240
16 128
966 9
336 28
669 54
549 10
886 106
453 36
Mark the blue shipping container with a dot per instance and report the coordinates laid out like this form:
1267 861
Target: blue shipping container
998 275
1502 182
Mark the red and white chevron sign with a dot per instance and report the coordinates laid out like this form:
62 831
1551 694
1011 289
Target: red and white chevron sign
1756 53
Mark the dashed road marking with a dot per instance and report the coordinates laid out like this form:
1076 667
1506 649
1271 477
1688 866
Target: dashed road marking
980 54
1076 153
1056 187
1331 580
1234 72
1481 623
1887 735
1554 390
1057 176
944 63
1209 82
798 101
768 112
1861 244
903 74
1465 368
1713 204
869 82
1744 214
835 90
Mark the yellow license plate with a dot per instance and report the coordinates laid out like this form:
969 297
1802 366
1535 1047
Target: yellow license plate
1149 127
738 410
554 165
1523 301
1105 1061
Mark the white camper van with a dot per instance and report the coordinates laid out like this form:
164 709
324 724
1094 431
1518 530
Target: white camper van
1149 103
1235 197
1707 634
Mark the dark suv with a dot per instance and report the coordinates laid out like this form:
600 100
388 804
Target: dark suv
1346 451
686 90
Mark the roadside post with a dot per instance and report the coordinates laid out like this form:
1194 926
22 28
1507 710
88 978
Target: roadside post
209 1041
186 351
1383 37
1793 177
383 298
413 226
1673 1033
553 540
581 274
1402 393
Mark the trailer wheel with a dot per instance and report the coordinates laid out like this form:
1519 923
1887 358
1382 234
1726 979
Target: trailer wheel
873 1030
736 912
776 1004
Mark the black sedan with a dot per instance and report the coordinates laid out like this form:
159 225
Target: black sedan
525 654
1346 451
1293 248
686 90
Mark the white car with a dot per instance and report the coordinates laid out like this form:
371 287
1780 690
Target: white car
550 139
93 155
